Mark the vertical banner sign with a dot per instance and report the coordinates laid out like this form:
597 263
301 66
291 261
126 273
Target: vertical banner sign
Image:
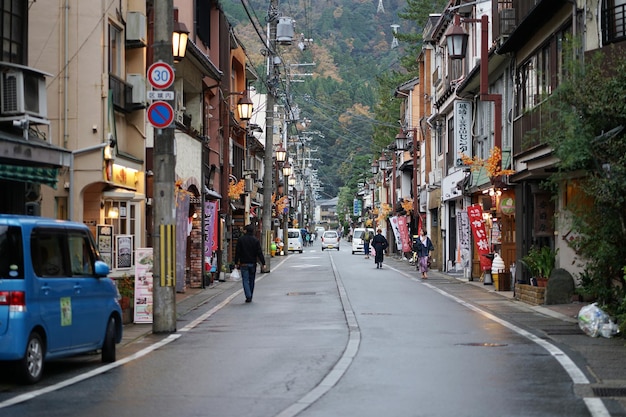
403 226
396 231
182 219
143 285
356 207
544 213
475 214
463 223
462 130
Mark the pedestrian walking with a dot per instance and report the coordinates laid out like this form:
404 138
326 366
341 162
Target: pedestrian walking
367 238
423 247
247 253
380 244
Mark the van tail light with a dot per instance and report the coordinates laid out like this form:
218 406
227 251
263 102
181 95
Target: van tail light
16 300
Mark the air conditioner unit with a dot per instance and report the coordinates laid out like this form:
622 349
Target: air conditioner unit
23 92
138 83
136 30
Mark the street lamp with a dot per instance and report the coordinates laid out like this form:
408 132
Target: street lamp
400 141
245 107
281 153
456 39
374 167
180 34
383 162
287 169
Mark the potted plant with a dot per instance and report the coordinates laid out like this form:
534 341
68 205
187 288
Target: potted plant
540 262
126 288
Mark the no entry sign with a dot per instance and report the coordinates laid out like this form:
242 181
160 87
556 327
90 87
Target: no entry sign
160 114
160 75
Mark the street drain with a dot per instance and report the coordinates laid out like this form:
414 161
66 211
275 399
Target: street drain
609 392
482 344
302 293
566 331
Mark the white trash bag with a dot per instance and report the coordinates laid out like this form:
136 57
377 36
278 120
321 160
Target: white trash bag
235 275
595 322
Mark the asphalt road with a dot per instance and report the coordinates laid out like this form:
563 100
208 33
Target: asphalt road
327 334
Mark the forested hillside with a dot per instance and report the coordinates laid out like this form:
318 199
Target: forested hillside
356 70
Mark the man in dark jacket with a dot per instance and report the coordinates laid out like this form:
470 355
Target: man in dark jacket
380 244
247 252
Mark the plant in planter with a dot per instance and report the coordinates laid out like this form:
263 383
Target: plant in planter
126 288
540 262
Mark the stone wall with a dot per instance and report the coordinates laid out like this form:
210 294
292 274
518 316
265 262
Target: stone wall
530 294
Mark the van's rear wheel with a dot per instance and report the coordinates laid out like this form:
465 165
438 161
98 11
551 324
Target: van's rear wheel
30 367
108 346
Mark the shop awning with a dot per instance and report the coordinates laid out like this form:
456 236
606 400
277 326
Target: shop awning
39 175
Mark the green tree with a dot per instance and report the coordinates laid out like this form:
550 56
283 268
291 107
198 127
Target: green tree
586 132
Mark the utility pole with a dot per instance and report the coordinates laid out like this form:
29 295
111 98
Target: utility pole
272 81
164 296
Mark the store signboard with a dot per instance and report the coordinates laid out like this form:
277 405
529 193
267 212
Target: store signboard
143 285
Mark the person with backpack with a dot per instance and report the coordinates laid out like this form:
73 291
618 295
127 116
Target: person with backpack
367 237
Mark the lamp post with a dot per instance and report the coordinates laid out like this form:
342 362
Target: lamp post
456 38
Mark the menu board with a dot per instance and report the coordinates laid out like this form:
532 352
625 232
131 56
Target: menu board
105 243
143 285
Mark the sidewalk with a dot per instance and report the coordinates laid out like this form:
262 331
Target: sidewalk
185 302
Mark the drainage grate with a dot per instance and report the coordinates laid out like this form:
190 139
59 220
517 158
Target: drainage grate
482 344
609 392
565 331
302 293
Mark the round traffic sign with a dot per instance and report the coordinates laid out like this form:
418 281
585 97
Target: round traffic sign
160 114
160 75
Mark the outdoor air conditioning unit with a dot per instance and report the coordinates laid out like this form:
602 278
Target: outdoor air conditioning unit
138 83
23 92
136 30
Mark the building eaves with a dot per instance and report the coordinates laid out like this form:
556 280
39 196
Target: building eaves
204 61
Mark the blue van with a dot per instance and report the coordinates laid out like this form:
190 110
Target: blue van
56 298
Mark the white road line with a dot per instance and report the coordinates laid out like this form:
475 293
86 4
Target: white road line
595 405
105 368
341 367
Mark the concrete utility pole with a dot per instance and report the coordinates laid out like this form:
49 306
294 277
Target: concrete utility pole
272 80
164 275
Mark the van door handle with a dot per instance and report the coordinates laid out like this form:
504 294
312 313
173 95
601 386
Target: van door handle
77 288
46 289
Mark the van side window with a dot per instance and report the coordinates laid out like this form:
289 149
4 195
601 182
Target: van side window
11 254
81 254
47 249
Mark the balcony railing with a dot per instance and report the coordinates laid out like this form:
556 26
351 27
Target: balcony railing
614 23
121 92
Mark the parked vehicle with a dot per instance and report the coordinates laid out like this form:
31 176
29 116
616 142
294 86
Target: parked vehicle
295 242
56 299
357 238
330 240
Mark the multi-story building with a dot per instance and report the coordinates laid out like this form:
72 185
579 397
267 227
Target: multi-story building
76 141
475 108
32 154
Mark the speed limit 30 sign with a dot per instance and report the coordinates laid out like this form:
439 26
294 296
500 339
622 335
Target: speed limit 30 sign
160 75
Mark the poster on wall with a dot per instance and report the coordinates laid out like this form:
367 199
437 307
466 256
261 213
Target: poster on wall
463 225
124 246
104 240
143 285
